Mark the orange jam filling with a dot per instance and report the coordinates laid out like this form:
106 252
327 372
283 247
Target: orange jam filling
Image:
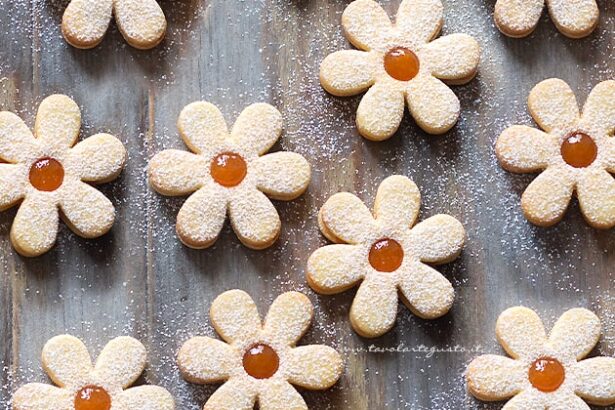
46 174
547 374
92 398
261 361
401 64
228 169
579 150
386 255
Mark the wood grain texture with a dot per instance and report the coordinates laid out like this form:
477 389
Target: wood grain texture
139 280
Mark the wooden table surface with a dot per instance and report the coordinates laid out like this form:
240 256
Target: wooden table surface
140 280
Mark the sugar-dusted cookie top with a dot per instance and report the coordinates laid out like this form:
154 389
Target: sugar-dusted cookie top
229 173
46 172
141 22
388 253
575 153
83 386
399 61
260 360
545 372
573 18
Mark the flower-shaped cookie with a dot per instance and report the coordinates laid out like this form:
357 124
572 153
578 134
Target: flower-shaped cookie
229 172
83 386
545 372
576 152
387 253
400 62
46 172
141 22
573 18
260 361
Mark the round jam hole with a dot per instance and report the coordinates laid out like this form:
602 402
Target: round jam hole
401 64
46 174
228 169
547 374
261 361
92 398
386 255
579 150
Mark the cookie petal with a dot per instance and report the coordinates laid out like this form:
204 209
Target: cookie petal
596 380
347 72
433 105
427 293
314 367
374 308
553 105
85 22
282 175
575 21
175 173
420 20
202 217
438 239
569 402
279 394
12 185
58 122
99 158
397 202
232 395
545 200
335 268
520 332
141 22
366 24
453 58
596 193
35 226
575 333
345 218
599 109
258 127
205 360
235 317
86 211
16 141
380 111
492 377
37 396
518 18
121 362
289 317
202 127
525 401
524 149
254 219
145 398
66 360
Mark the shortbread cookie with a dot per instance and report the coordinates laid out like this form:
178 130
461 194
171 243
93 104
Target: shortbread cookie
387 253
83 386
141 22
576 153
46 174
229 173
545 372
260 360
400 61
573 18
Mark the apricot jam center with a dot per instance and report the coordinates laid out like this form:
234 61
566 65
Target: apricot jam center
547 374
92 398
261 361
579 150
228 169
401 64
46 174
386 255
